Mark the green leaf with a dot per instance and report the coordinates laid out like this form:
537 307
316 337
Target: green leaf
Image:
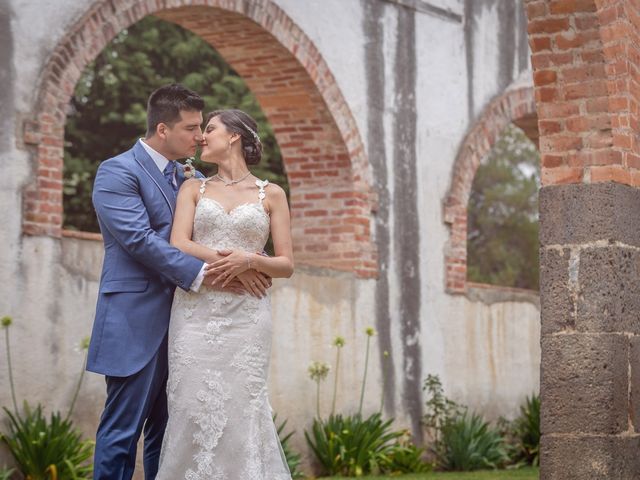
352 446
37 443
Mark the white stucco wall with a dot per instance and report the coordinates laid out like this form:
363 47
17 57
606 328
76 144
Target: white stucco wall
486 353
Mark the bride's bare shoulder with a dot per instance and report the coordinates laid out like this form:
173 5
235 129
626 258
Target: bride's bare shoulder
274 196
274 189
193 184
190 188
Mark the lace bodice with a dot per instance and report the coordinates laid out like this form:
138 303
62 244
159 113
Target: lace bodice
246 227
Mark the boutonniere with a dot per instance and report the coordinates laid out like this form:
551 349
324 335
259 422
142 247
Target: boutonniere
189 170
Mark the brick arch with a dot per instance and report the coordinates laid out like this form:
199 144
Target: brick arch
515 105
328 171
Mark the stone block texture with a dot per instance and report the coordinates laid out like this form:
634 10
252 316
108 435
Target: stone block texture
590 373
583 213
590 457
608 297
584 383
557 310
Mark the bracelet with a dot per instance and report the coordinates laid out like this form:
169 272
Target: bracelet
248 262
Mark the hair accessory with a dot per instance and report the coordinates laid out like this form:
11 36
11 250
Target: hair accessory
255 135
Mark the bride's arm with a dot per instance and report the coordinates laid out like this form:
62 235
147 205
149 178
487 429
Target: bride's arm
279 266
183 223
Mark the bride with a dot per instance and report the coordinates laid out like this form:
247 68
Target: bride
220 425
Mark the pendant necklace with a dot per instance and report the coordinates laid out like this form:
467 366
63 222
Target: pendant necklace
228 183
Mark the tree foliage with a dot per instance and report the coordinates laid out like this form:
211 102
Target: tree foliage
107 113
502 242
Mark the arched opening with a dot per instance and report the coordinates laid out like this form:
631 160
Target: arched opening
331 198
502 229
515 105
107 111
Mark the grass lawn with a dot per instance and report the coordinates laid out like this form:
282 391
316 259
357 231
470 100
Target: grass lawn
520 474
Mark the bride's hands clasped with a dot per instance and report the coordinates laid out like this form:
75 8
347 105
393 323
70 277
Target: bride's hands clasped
232 264
237 264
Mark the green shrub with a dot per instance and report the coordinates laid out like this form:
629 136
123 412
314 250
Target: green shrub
6 472
440 410
470 443
526 431
45 449
293 458
405 457
352 446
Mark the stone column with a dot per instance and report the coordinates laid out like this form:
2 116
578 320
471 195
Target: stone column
590 299
586 59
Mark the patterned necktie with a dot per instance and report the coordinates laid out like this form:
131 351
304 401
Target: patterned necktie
168 172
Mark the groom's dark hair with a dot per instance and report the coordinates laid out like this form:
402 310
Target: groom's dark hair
166 102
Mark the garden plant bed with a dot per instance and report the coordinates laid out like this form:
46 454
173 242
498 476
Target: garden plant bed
520 474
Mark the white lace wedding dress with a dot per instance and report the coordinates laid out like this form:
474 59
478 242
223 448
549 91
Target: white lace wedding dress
220 421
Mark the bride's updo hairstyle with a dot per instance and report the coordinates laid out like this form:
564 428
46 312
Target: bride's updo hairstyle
241 123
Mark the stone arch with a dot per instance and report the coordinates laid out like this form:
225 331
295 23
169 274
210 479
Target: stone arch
515 105
327 167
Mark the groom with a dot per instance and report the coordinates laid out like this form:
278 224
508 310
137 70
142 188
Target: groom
134 195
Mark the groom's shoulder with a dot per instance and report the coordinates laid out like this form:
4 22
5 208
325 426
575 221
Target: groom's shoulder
122 160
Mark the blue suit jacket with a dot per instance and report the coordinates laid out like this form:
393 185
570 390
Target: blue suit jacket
135 206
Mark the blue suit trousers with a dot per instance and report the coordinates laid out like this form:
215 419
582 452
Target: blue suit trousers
133 403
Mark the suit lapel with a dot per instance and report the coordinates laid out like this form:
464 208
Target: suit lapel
146 162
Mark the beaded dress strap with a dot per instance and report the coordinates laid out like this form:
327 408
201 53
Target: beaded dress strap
261 184
203 185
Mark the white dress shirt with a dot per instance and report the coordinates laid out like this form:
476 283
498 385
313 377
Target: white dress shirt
159 159
161 162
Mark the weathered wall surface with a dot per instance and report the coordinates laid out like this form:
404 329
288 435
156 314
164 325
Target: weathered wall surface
485 348
415 81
